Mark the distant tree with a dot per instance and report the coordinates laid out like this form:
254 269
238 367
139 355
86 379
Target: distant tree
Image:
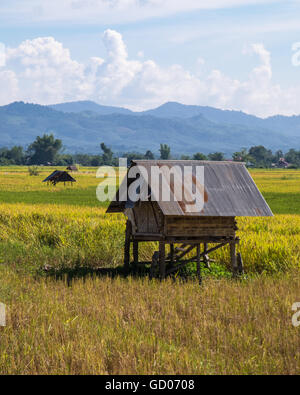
199 156
64 160
185 157
83 159
17 155
44 149
242 156
107 156
165 151
132 156
13 156
149 155
3 159
262 156
293 157
216 156
96 161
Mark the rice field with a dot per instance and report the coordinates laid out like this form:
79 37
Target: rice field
66 315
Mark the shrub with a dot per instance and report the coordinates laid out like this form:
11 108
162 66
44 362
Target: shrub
33 170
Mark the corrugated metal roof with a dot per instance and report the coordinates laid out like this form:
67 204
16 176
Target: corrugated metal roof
228 190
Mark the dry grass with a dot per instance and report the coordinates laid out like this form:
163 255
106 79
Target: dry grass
126 326
130 326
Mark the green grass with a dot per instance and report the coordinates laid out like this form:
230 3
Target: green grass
281 188
68 196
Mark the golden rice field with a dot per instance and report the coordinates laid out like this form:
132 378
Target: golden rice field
66 316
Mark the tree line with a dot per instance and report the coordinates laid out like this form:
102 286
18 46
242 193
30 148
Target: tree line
47 150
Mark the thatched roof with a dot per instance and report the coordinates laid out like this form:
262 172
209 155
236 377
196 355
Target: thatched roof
59 176
229 190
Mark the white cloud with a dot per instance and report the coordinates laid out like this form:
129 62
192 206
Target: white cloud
108 11
9 86
46 71
2 55
43 71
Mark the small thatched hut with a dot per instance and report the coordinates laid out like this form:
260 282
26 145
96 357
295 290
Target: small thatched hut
59 176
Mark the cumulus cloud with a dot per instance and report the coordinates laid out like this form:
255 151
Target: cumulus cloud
9 86
43 71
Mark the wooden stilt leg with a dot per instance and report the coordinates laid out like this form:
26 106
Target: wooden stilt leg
233 257
198 264
240 264
136 253
206 257
154 264
162 260
127 246
172 252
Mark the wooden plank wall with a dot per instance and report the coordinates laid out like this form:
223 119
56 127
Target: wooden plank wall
146 217
200 226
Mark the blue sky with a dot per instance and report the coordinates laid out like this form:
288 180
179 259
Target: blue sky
229 54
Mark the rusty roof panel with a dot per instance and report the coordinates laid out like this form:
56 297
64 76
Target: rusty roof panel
229 190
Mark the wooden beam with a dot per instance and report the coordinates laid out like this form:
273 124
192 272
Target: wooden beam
162 259
240 263
195 258
154 264
127 246
197 240
172 253
233 258
135 252
184 253
199 264
206 257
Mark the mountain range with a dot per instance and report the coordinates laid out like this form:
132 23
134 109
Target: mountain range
187 129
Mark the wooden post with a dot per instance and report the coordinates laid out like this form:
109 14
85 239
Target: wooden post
162 260
199 264
240 264
206 257
233 257
154 264
172 251
135 253
127 246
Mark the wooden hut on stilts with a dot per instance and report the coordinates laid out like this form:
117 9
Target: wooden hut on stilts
228 192
59 176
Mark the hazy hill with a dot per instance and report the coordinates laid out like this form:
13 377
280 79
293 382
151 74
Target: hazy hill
187 129
82 106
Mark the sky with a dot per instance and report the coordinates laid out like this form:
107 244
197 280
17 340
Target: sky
234 54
